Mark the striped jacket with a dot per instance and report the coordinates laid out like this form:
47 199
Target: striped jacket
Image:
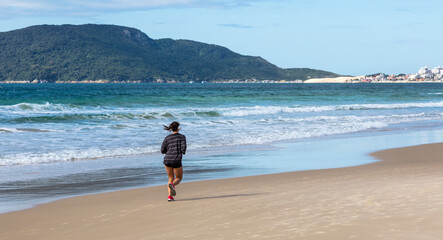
174 146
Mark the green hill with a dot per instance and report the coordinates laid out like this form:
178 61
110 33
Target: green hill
115 53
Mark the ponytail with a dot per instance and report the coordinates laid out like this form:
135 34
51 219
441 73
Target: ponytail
172 127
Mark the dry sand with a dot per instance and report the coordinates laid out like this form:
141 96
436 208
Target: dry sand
400 197
333 80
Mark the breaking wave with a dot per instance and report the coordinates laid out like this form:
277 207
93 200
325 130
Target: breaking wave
224 132
45 113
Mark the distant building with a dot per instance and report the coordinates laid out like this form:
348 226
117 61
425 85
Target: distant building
425 72
381 77
438 72
413 76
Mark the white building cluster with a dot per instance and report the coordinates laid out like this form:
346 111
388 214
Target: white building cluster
426 73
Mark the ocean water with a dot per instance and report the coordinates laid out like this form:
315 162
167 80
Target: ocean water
61 140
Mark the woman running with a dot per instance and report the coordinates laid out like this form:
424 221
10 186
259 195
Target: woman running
174 146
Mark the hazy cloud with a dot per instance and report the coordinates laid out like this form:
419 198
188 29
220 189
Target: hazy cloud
127 5
401 41
23 4
345 26
11 8
403 10
233 25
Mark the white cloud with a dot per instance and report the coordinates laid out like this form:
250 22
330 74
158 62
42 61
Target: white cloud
11 8
31 5
125 4
234 25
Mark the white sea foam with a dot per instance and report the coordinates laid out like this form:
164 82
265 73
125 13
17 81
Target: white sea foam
278 129
34 112
71 155
8 130
14 130
56 108
35 107
75 132
222 132
267 110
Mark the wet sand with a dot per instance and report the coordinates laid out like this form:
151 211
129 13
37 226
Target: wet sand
399 197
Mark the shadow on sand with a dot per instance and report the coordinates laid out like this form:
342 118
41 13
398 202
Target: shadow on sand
222 196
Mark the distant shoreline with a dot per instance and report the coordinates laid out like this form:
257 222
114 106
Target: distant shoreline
342 79
310 81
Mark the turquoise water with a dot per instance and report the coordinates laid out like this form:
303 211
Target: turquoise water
60 140
63 122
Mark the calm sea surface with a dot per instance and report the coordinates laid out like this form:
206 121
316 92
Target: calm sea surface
60 140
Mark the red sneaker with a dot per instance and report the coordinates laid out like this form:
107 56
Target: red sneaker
172 187
170 198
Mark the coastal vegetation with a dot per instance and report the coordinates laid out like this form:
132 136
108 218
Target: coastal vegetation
108 53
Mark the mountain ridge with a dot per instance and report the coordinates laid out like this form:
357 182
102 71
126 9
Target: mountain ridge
117 53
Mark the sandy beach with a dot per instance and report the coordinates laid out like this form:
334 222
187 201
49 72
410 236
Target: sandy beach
399 197
333 80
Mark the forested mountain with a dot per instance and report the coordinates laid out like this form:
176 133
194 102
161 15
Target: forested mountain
115 53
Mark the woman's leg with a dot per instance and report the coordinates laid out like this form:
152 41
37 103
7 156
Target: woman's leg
170 172
178 175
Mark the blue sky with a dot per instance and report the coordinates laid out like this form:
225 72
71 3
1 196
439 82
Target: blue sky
347 37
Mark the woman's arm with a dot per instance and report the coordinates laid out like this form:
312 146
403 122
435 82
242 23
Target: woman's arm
183 145
164 147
